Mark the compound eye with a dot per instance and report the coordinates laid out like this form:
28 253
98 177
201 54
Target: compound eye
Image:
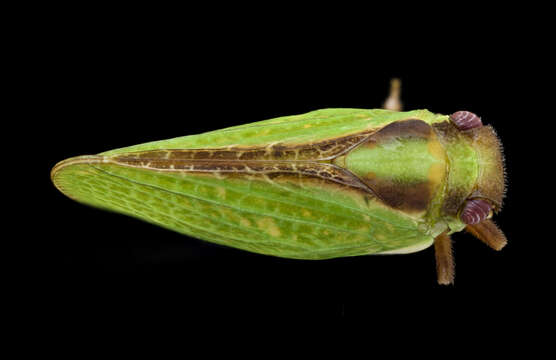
475 211
465 120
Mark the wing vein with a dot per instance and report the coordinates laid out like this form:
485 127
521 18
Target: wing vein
236 208
223 185
263 242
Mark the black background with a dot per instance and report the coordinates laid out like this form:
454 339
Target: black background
102 83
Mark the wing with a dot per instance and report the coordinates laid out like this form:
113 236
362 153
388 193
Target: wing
314 126
286 215
267 187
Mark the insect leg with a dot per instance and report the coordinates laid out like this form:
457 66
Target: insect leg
444 259
489 233
393 101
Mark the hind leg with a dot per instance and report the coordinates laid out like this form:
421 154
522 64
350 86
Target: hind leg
393 101
444 259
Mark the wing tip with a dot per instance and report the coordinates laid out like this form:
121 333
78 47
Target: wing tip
57 172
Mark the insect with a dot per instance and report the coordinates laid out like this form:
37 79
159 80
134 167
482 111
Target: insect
325 184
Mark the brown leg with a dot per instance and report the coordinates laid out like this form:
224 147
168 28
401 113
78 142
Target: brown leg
444 259
489 233
393 101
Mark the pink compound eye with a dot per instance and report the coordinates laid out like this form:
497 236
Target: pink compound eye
475 211
465 120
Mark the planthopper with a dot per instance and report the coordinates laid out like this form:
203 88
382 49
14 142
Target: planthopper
325 184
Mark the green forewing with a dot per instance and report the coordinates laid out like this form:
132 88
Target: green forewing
310 127
288 216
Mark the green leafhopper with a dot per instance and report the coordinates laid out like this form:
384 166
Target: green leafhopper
325 184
